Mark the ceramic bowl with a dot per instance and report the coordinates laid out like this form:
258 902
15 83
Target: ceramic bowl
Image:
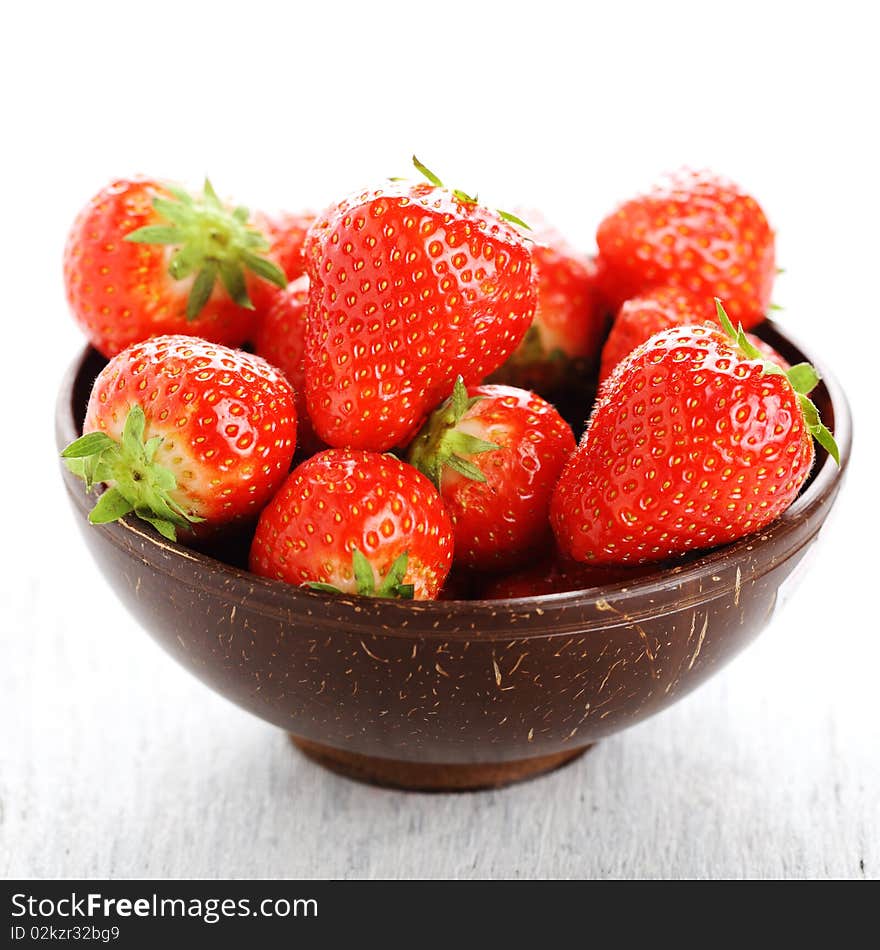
454 694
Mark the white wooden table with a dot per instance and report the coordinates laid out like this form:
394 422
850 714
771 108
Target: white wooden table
117 763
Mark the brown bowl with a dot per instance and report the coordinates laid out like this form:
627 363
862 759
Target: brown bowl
454 694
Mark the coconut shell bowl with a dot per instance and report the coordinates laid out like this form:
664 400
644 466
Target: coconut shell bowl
454 694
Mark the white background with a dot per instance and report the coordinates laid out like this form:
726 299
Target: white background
114 761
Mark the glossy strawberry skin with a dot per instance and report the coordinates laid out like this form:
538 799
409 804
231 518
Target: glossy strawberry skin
286 233
287 236
695 231
345 499
652 311
281 336
281 339
504 521
689 446
410 287
227 420
565 338
121 293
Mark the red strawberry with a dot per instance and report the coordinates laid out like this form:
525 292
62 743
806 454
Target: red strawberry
286 234
356 522
697 232
187 434
411 286
281 339
655 310
565 338
495 453
558 576
695 441
145 258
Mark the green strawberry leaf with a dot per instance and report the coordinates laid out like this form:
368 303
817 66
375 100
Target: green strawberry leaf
802 378
135 481
466 468
513 219
393 580
463 196
463 443
91 444
133 431
459 402
151 446
100 467
181 194
81 467
442 443
155 234
321 586
233 280
264 268
392 585
212 241
162 525
111 506
211 198
202 288
184 262
363 574
178 212
427 172
824 437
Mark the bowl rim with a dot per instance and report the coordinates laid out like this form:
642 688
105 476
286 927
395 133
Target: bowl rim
393 617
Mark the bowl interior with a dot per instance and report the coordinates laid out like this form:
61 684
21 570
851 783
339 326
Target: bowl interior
225 562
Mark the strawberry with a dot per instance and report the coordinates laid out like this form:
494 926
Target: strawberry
189 435
495 453
286 234
411 286
563 343
652 311
695 441
356 522
697 232
558 576
281 339
145 258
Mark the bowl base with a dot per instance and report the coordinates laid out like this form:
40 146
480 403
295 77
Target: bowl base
432 776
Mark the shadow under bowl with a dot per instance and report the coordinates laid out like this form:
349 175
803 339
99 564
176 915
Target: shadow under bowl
454 694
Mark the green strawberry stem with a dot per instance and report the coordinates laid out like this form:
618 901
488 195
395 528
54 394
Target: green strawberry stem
213 242
391 586
135 481
464 197
441 442
802 377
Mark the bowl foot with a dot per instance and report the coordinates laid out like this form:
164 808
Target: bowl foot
430 776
